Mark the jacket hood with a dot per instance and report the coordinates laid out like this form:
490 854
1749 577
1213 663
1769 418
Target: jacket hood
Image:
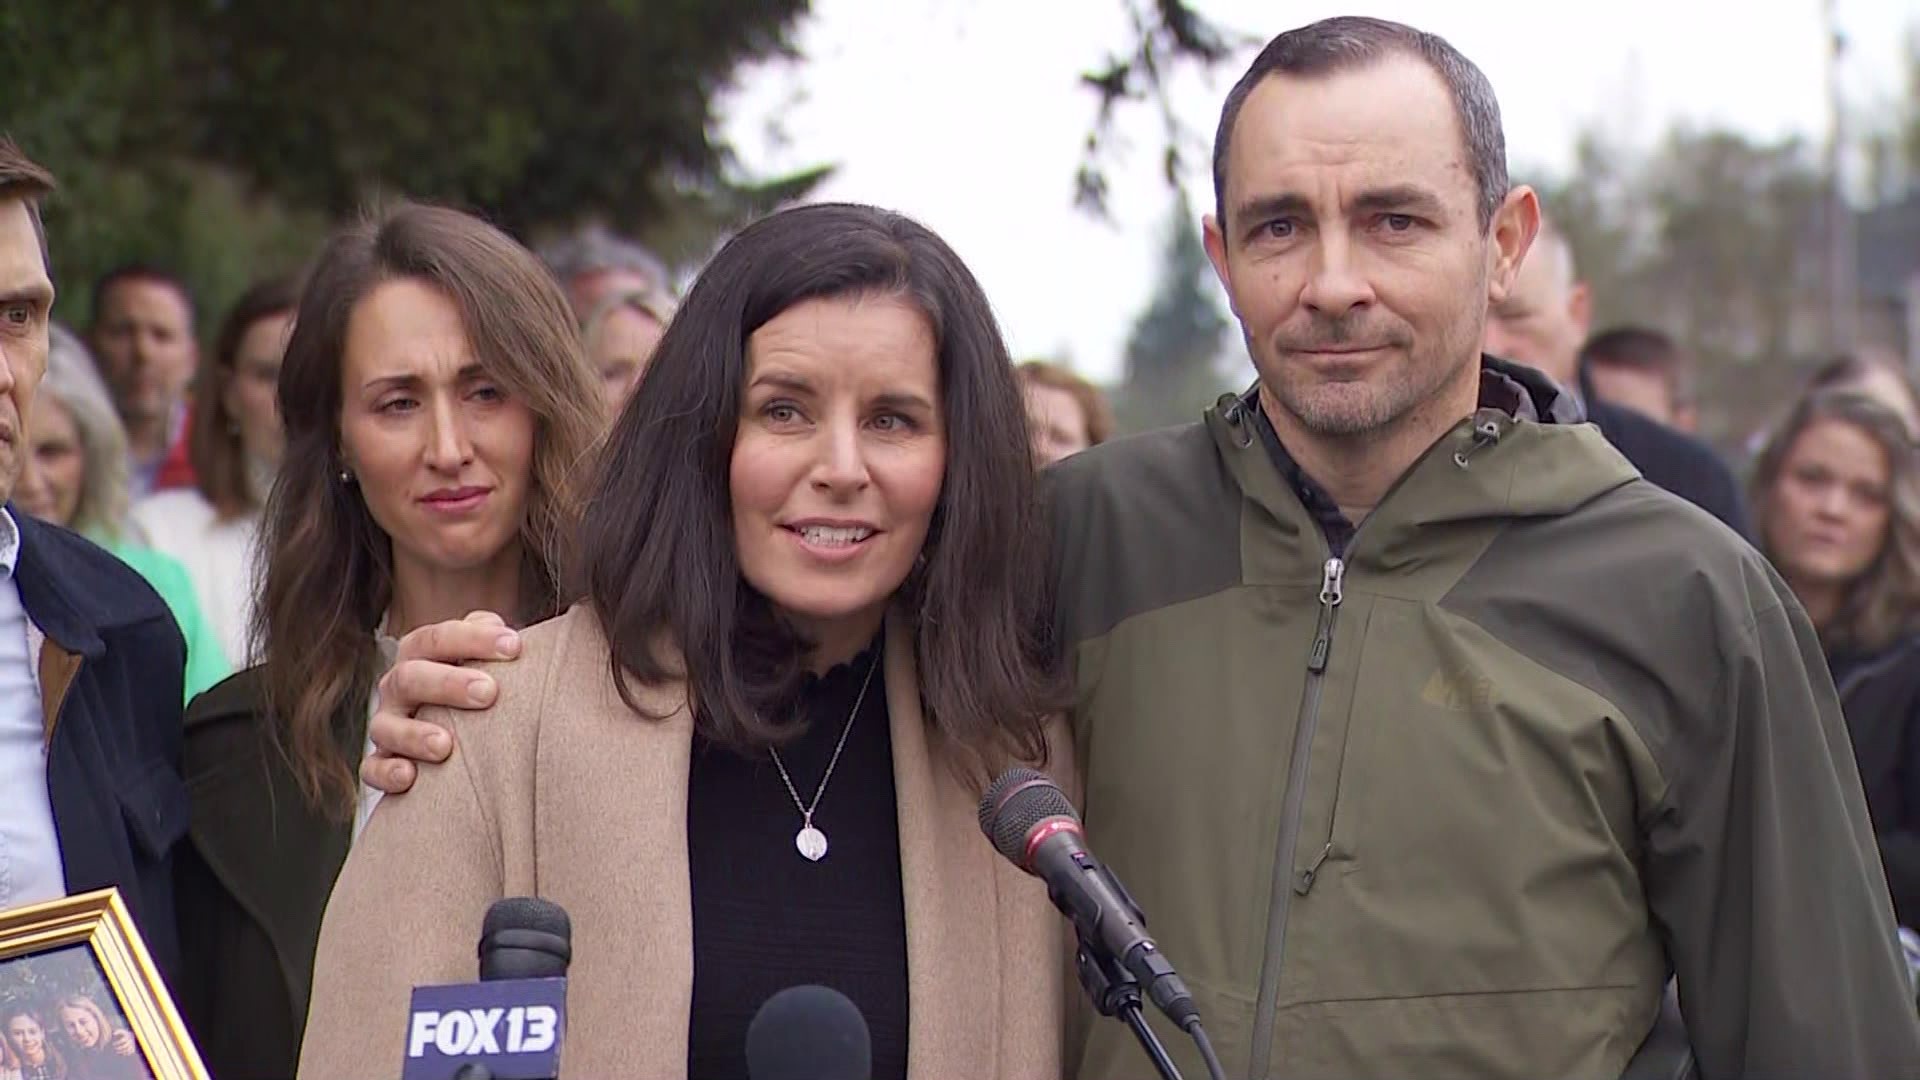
1524 453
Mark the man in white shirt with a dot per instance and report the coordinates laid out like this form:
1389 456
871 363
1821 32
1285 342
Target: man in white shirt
91 661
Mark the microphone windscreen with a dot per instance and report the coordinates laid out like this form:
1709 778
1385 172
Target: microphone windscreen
1017 801
527 913
525 937
809 1033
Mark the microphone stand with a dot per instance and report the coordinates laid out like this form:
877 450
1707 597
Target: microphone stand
1115 992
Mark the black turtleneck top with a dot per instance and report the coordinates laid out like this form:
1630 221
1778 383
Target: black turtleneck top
764 918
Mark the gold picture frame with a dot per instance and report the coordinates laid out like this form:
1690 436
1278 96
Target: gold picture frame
47 953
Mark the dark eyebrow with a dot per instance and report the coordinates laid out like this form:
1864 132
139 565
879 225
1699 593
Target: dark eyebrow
1398 199
392 382
903 401
783 380
411 381
1265 208
38 293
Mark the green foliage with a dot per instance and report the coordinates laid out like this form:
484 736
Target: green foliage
1173 352
220 137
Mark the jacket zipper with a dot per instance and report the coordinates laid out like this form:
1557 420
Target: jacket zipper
1283 877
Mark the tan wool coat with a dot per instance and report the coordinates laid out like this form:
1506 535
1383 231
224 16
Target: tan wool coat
560 791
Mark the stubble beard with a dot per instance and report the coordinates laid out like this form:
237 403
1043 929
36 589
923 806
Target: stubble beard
1363 410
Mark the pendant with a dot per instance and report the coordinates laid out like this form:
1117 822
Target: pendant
812 843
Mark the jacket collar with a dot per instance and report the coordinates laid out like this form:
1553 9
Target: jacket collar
1523 453
62 594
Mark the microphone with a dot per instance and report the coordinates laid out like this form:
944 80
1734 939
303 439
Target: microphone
525 937
1033 823
509 1025
809 1033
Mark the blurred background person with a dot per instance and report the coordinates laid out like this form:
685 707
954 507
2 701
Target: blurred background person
101 1051
436 400
1641 369
620 335
1837 500
143 337
39 1058
1542 324
1876 374
841 571
594 262
75 476
1066 412
235 445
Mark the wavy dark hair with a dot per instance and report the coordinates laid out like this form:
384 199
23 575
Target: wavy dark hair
658 559
327 567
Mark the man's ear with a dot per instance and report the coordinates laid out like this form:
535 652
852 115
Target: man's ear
1215 238
1515 226
1580 307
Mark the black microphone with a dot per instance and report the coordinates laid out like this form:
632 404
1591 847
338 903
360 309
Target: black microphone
525 937
1033 823
809 1033
509 1025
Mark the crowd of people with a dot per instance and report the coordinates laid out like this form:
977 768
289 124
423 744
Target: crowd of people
1442 698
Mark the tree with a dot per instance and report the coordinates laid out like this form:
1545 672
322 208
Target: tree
1714 238
1167 35
1173 352
223 137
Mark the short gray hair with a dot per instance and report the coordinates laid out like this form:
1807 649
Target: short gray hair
596 248
74 382
1350 41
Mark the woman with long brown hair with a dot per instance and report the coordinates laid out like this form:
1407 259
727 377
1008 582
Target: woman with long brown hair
436 401
810 633
1837 500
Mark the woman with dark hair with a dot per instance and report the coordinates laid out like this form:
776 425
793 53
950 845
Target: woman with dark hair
101 1051
39 1058
751 757
436 402
1837 500
235 445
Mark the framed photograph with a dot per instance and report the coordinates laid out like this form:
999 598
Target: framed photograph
80 998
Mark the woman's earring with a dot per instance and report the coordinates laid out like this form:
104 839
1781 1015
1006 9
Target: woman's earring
346 478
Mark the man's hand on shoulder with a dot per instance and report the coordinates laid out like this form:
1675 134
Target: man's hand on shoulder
428 672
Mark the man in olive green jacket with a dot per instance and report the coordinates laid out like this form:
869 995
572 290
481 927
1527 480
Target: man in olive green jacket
1428 735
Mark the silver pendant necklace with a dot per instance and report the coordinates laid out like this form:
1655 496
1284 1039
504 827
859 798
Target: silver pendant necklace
811 842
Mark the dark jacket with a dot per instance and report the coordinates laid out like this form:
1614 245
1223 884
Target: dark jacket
253 883
110 687
1880 693
1673 460
1456 801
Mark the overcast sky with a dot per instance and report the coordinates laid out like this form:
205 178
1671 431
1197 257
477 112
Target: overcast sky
967 115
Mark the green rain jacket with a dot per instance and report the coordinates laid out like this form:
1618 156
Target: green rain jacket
1457 801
